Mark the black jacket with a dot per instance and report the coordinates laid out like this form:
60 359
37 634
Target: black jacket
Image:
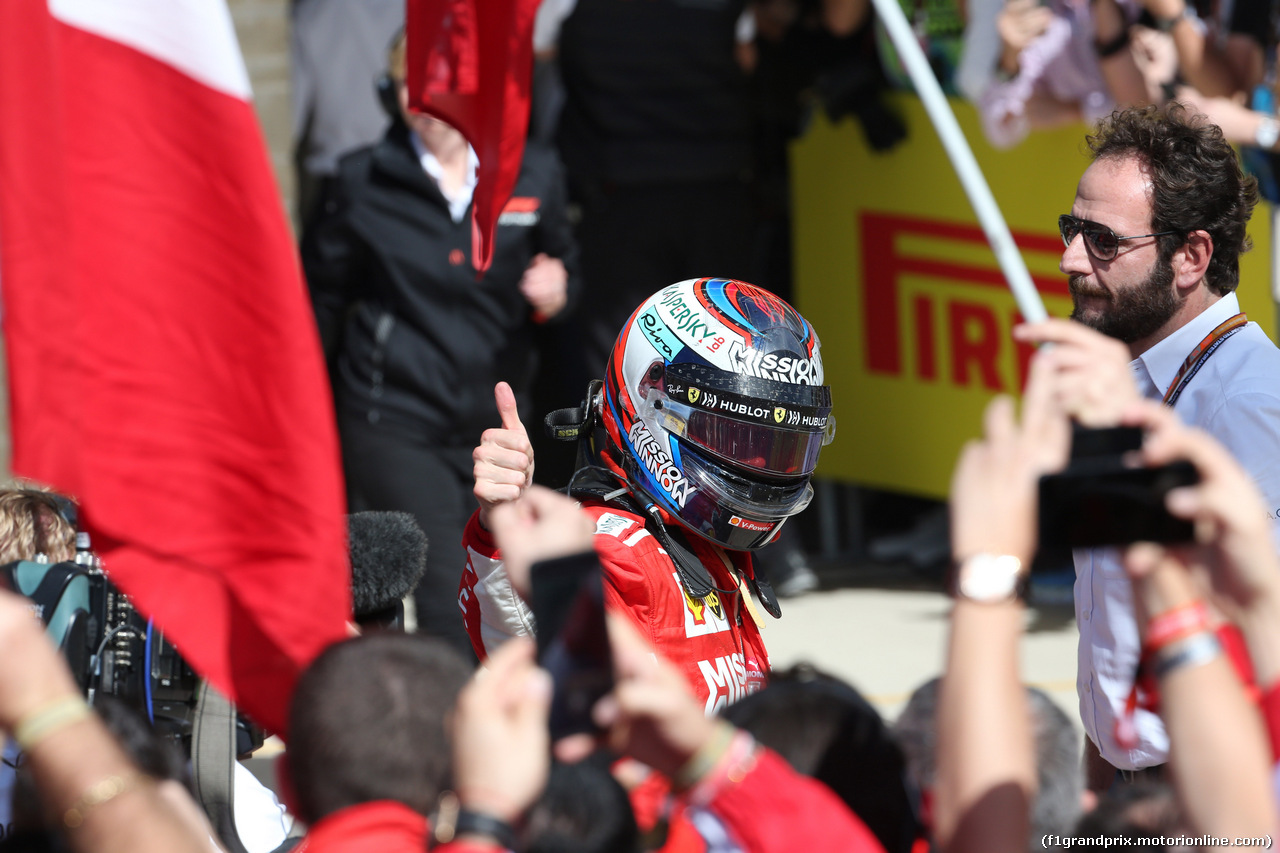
414 341
654 93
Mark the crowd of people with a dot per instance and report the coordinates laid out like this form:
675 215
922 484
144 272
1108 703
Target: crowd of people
1031 65
397 744
695 411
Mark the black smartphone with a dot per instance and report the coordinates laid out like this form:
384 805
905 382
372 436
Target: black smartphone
1099 501
1108 442
573 641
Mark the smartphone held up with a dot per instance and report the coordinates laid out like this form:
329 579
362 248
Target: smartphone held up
573 640
1102 498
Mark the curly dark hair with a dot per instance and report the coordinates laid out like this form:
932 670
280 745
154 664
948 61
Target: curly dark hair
1196 180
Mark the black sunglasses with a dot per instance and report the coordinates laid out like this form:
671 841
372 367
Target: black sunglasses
1101 241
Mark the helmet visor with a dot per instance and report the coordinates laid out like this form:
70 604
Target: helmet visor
779 434
756 500
770 450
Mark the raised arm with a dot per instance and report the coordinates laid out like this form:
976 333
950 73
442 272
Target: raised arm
986 777
1218 756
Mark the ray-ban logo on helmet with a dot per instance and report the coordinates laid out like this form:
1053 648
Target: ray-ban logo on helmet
779 413
694 394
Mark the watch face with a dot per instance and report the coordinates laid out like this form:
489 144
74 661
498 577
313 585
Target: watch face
989 577
1268 134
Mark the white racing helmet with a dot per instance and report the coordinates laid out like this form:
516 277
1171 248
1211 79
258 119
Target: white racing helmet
715 408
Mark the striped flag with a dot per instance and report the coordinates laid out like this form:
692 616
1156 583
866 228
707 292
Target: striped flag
164 366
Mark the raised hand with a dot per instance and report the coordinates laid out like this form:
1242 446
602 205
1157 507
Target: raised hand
1020 22
542 525
1233 526
651 715
500 742
1089 371
504 458
545 286
993 490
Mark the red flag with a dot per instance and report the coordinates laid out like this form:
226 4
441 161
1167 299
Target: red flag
164 364
473 71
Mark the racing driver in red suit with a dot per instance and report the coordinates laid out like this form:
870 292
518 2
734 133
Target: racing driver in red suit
696 448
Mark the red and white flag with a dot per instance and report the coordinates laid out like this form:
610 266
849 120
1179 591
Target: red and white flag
164 365
473 68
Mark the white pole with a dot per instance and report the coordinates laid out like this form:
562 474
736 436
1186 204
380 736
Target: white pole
957 147
1275 262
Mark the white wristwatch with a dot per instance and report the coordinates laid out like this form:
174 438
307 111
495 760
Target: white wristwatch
989 578
1166 25
1267 134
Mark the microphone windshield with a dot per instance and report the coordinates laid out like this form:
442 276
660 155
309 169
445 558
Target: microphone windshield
388 557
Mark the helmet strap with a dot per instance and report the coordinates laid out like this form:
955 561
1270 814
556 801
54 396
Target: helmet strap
694 576
766 596
601 484
591 480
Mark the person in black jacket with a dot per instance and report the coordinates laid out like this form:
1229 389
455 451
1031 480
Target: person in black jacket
415 342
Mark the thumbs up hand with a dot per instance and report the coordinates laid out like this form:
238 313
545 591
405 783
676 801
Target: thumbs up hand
504 459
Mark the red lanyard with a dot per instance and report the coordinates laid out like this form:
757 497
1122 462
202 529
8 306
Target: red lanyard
1200 355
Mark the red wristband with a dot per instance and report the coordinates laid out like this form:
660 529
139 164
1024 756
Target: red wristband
1176 624
732 767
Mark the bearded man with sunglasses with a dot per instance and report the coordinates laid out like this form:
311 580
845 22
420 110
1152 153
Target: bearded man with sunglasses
1153 243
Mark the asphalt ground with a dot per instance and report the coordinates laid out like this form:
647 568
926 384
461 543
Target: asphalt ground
883 629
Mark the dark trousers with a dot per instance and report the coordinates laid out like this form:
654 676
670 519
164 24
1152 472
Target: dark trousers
386 471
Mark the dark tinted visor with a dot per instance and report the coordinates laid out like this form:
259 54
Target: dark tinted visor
772 427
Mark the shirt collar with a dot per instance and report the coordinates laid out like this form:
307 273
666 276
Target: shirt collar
459 202
1162 362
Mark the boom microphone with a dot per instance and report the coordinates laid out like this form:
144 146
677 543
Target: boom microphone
388 557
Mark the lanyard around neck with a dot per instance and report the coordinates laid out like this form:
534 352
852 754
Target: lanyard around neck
1200 355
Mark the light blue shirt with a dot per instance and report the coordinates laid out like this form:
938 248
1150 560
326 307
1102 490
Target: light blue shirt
1235 397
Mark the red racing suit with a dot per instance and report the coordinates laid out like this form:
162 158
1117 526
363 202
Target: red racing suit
715 640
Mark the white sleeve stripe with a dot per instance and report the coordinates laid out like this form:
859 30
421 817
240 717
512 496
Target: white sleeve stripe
636 537
503 614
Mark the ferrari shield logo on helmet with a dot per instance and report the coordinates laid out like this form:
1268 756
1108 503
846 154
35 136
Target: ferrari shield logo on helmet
694 394
779 413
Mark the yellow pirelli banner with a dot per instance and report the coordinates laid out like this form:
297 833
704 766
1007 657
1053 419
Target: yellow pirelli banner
911 307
